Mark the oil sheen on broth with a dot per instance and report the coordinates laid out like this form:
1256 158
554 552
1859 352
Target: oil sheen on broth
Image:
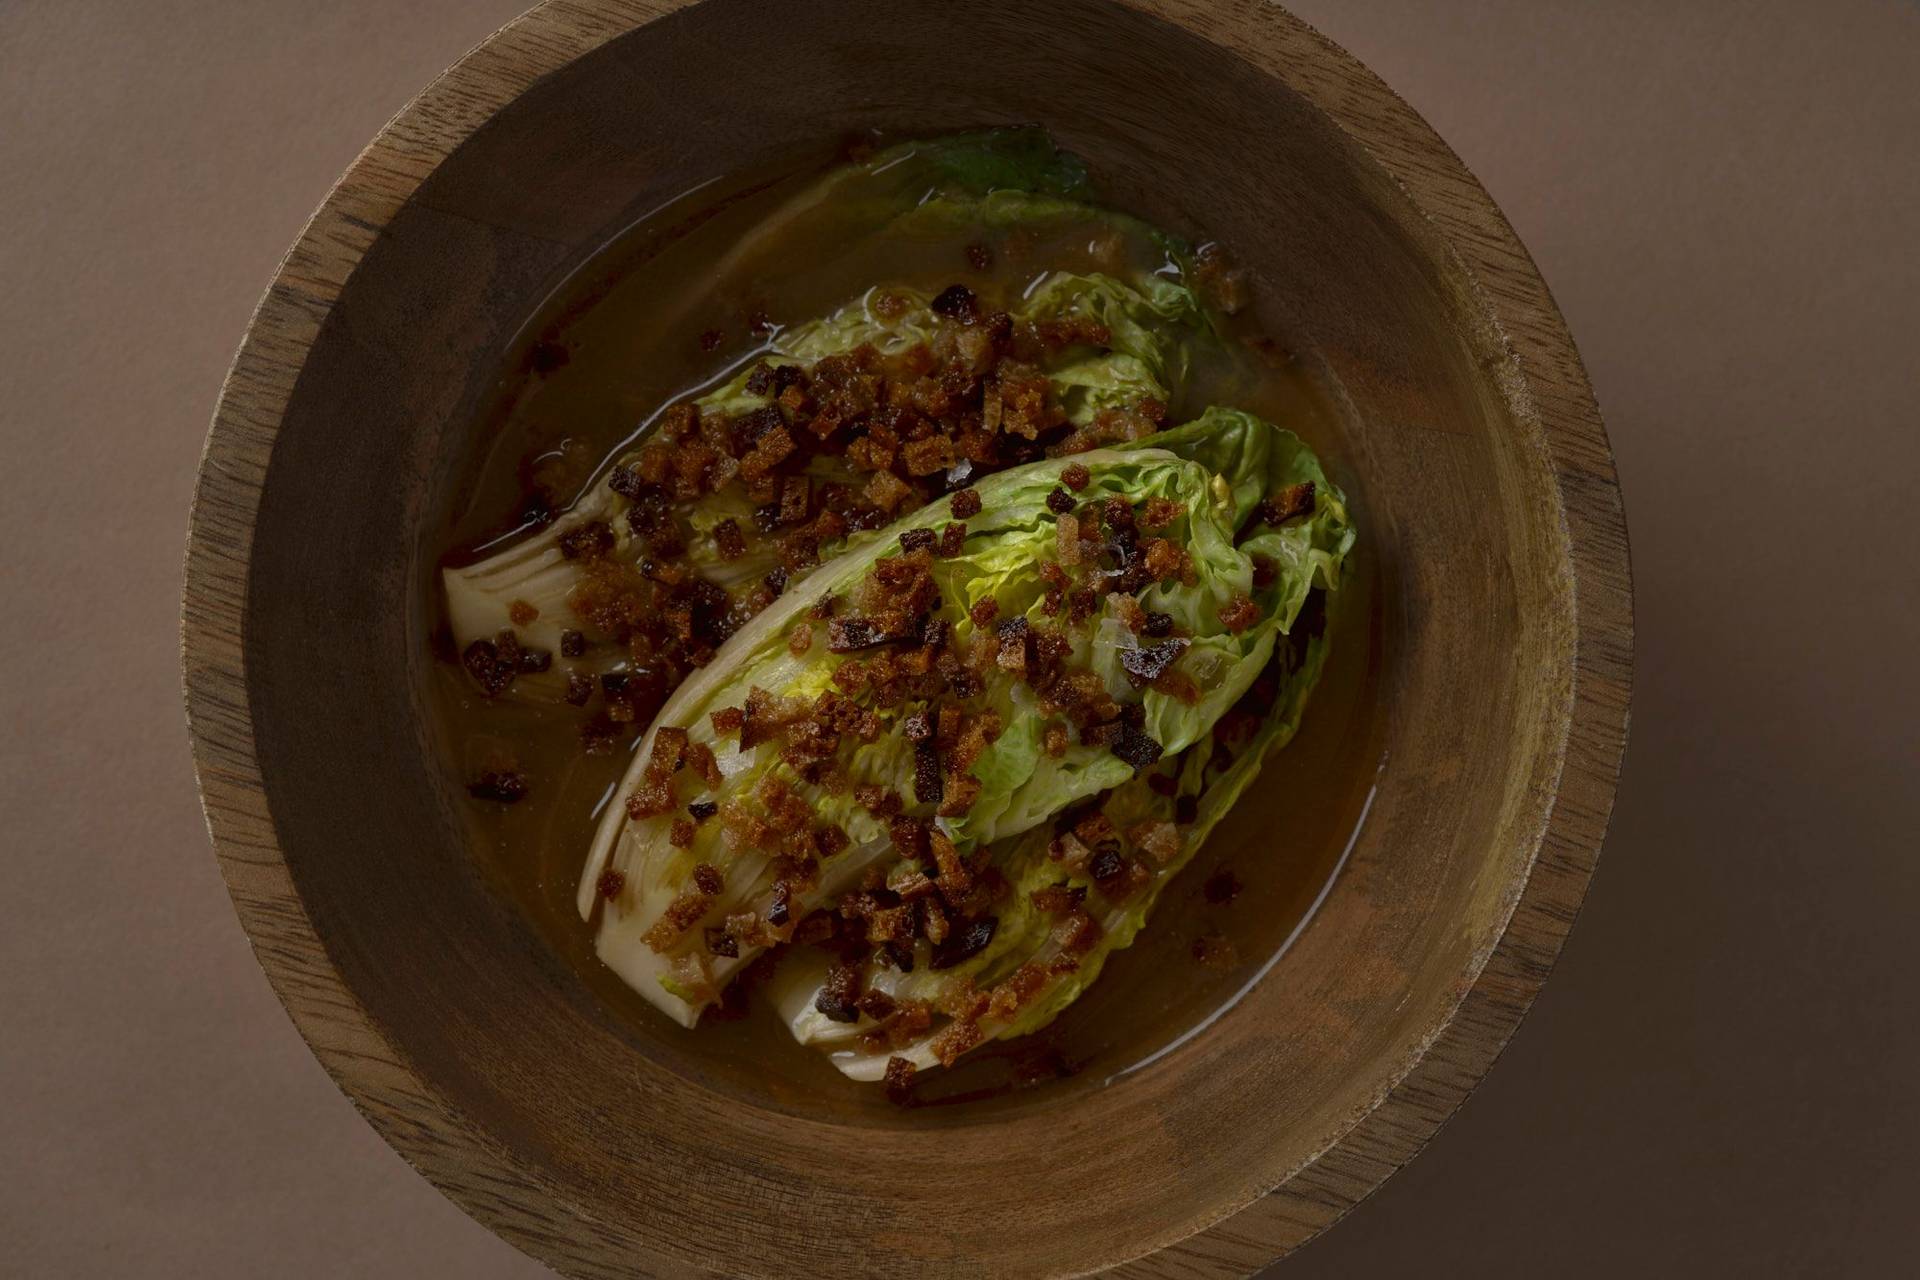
659 313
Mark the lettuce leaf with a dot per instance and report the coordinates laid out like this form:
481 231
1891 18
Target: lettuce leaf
1153 322
1020 786
1247 459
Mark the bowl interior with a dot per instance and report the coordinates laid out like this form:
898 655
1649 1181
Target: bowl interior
1460 517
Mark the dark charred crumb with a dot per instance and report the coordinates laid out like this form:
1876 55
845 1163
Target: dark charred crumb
876 1005
776 581
626 482
1222 887
1133 715
722 943
534 661
849 635
1284 504
707 879
760 324
506 651
546 357
482 661
957 302
610 883
917 727
710 340
572 644
953 541
1060 502
1186 810
1265 571
1107 865
579 688
916 540
1136 748
899 1081
926 772
834 1010
965 504
961 474
900 954
701 810
1148 663
877 800
839 994
984 611
503 785
964 942
1157 625
934 633
589 541
845 635
780 909
1212 951
979 256
823 608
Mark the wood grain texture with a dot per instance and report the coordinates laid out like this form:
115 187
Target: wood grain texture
1486 489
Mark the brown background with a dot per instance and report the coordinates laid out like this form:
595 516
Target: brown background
1721 1073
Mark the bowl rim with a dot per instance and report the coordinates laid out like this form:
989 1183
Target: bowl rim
482 1176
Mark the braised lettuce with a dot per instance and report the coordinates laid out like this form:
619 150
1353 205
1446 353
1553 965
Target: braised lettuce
1018 784
1246 456
1153 322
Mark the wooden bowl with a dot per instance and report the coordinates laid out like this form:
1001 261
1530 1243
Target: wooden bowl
1488 504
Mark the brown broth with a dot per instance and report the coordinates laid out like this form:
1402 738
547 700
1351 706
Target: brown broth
630 324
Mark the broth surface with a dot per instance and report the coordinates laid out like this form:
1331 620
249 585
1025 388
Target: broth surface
656 315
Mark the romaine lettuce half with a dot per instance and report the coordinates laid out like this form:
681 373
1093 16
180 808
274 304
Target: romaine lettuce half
1248 459
1206 468
1030 938
1153 321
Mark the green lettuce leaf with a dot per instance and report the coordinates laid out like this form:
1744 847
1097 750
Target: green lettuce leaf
1247 460
1153 322
1020 786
